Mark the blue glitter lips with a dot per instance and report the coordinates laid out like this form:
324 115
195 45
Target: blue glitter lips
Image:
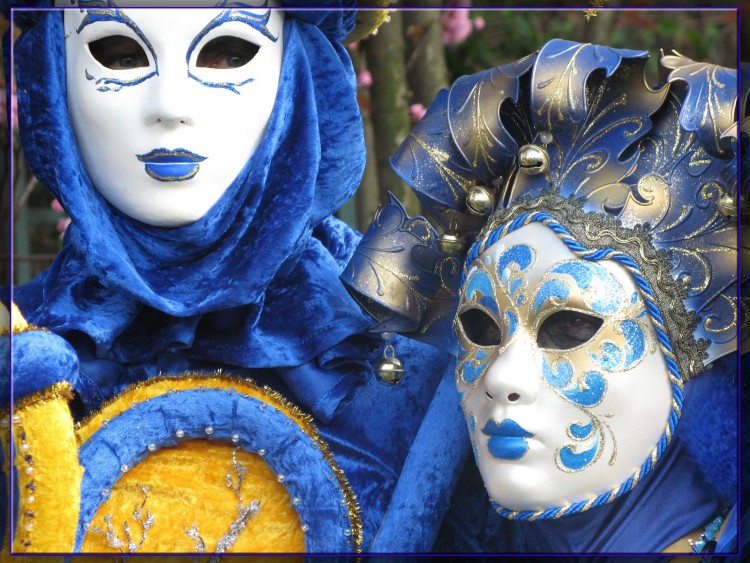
507 439
168 165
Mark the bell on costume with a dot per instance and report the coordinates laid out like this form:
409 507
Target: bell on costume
389 369
452 241
533 160
480 201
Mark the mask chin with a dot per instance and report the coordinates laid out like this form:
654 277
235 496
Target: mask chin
567 394
168 106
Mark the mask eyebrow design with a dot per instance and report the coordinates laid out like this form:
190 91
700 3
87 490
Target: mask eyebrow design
105 10
256 21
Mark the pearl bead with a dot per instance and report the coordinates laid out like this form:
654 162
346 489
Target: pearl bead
28 527
305 528
151 447
124 468
261 452
180 433
30 499
16 419
29 470
209 430
235 438
295 501
24 447
105 492
347 532
280 478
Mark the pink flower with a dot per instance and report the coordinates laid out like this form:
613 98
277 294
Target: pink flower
14 111
479 23
62 224
417 111
364 79
353 45
55 205
456 26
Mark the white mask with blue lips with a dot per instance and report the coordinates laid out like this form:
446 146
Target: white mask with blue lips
565 390
168 105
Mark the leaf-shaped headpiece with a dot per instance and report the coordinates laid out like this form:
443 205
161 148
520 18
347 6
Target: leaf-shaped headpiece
654 166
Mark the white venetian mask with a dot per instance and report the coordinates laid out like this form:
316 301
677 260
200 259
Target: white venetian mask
564 387
167 104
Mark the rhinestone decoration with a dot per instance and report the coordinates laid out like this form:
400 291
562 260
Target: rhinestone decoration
244 513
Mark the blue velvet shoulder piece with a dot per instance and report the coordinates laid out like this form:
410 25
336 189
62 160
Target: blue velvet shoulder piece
267 255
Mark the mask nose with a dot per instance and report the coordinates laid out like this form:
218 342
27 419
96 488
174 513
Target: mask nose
513 377
170 101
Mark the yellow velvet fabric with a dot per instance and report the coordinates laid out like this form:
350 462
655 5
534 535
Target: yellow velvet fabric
49 476
186 486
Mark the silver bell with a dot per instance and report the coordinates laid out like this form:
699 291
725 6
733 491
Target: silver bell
533 160
451 242
728 206
389 370
480 201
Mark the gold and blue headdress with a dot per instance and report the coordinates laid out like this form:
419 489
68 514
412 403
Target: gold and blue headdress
573 138
573 130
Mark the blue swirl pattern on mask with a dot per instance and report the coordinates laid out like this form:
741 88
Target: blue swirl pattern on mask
609 295
479 288
551 289
522 256
581 432
610 358
512 323
578 461
473 369
635 342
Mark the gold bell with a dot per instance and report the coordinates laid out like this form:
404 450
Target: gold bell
452 242
533 160
389 370
728 206
480 201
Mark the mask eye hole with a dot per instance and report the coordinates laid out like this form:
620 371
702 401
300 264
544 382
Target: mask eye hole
567 329
480 328
226 52
118 52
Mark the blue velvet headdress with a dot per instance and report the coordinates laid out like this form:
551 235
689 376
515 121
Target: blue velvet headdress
266 254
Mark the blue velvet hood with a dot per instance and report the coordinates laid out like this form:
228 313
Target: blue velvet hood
257 256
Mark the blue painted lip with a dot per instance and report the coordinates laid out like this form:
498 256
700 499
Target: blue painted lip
168 165
507 439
